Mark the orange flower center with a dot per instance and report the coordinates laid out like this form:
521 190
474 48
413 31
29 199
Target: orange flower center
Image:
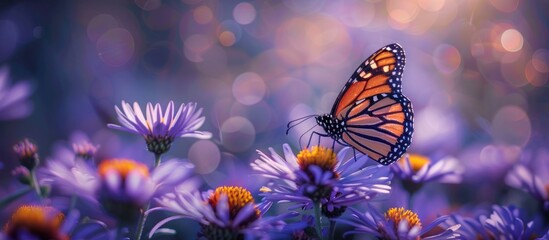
416 161
238 198
40 221
399 214
122 167
323 157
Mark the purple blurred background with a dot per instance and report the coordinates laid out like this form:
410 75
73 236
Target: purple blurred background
476 73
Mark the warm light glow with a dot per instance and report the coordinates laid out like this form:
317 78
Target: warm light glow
227 38
203 15
511 40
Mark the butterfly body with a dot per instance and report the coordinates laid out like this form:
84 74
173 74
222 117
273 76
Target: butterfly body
371 114
334 127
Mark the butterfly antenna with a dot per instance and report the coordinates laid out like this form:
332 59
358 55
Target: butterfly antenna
300 120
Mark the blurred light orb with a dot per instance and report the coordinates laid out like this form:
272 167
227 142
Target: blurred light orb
237 134
205 156
244 13
148 5
535 77
203 15
505 5
8 40
99 25
511 40
229 32
431 5
540 60
446 58
249 88
227 38
115 47
511 125
402 11
195 47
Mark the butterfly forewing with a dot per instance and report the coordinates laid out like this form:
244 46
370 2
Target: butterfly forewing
379 74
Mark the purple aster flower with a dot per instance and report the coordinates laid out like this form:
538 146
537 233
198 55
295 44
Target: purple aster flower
398 224
83 147
160 128
414 170
39 222
13 99
27 152
318 175
122 186
228 212
503 223
522 178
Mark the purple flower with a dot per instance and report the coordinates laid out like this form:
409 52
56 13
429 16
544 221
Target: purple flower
319 175
27 152
414 170
420 169
503 223
13 99
39 222
397 223
228 212
121 186
160 128
522 178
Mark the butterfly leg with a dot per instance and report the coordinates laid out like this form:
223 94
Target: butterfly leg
319 136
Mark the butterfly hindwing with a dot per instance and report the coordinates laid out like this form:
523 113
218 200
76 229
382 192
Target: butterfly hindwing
380 126
379 74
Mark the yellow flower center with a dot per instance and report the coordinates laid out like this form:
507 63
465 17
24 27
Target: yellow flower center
122 167
323 157
238 198
40 221
399 214
416 161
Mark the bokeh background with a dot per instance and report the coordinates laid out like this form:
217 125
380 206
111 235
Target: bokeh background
476 74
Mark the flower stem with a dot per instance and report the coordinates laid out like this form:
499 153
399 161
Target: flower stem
34 183
332 228
141 223
410 198
157 159
318 223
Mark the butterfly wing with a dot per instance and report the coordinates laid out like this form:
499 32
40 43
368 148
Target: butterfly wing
380 73
380 126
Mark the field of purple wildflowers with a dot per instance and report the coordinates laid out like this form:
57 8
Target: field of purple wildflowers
153 119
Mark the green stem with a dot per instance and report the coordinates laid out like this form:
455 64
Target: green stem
141 223
34 183
332 228
157 159
318 224
410 198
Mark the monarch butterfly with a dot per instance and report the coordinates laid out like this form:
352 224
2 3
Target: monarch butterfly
371 114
